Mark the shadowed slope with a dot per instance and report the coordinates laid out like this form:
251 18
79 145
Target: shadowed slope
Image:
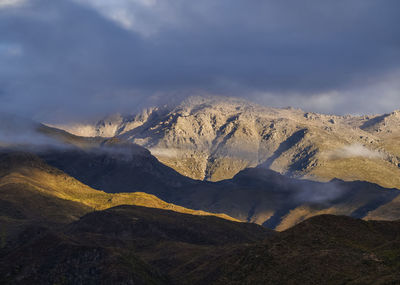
121 245
142 245
322 250
46 257
257 194
117 168
150 223
24 174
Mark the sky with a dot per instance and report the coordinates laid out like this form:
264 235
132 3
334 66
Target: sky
71 60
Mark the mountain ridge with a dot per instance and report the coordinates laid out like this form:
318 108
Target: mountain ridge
23 174
214 138
257 195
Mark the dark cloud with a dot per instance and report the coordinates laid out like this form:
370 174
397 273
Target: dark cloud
76 59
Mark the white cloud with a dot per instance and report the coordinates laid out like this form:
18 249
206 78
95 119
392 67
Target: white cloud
328 102
164 152
11 3
123 18
382 95
356 150
142 16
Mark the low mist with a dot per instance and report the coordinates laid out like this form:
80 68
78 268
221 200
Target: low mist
356 150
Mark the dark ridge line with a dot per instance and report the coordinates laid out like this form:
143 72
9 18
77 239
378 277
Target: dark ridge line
363 211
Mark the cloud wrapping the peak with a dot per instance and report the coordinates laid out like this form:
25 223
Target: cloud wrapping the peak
74 59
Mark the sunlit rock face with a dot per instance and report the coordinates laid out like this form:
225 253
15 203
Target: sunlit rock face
213 138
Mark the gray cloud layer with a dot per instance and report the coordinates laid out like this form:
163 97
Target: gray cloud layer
73 59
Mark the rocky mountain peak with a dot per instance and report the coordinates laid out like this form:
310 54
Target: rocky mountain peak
214 138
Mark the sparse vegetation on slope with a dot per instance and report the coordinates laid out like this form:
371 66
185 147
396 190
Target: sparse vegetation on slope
140 245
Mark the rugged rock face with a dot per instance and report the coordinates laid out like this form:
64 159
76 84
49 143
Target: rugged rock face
215 138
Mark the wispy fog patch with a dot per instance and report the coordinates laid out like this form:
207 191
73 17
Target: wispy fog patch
25 135
28 135
356 150
239 152
83 130
319 193
29 141
165 152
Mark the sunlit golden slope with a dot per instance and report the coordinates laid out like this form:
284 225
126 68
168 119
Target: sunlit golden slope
21 170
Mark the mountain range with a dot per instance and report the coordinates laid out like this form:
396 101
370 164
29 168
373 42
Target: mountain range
209 191
257 193
214 138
